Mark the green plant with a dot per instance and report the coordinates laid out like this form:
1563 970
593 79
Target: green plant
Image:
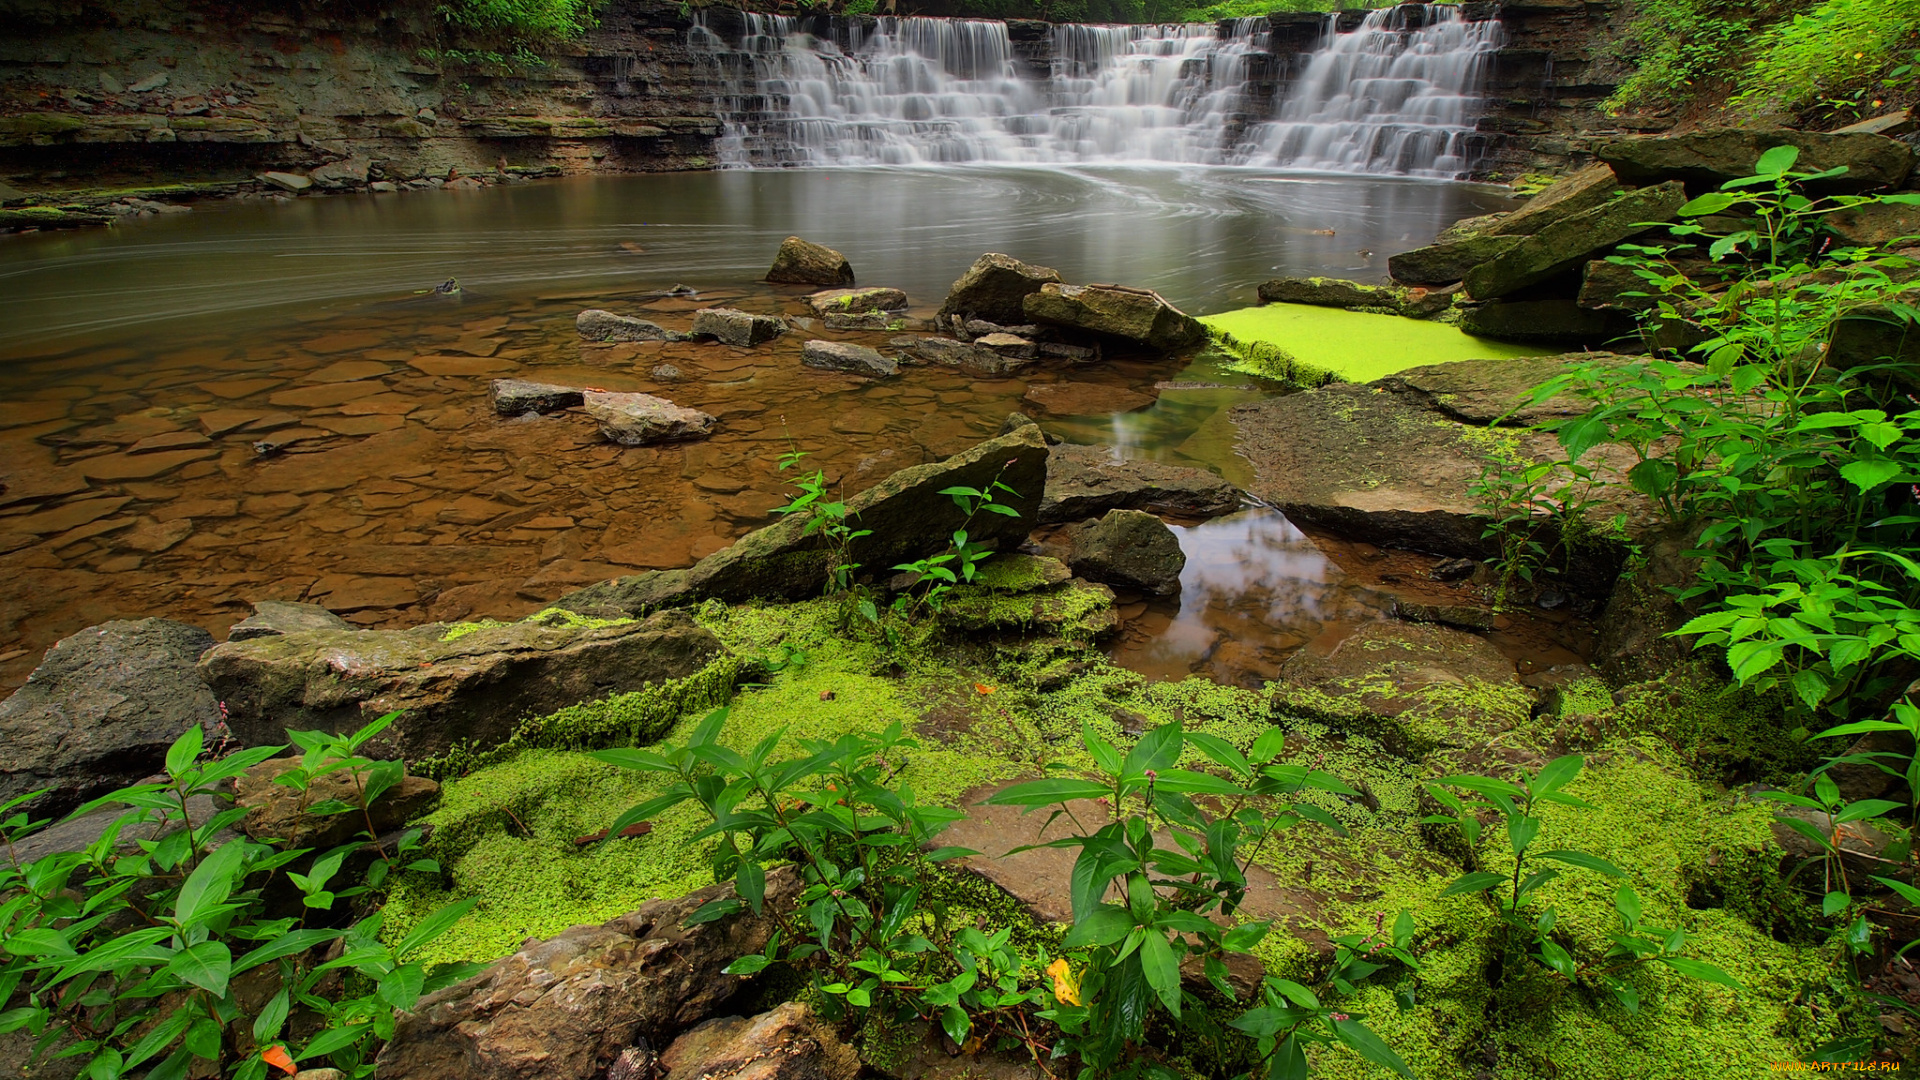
1535 511
960 561
125 953
1829 54
1512 892
825 516
1156 883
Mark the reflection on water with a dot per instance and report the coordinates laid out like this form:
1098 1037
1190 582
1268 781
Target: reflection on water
1203 237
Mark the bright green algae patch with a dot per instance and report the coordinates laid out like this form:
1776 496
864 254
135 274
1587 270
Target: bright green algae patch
1310 345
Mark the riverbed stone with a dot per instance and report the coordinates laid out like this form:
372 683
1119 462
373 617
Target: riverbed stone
785 1043
1087 481
905 515
101 709
475 688
595 324
1575 193
566 1007
848 357
1131 549
286 181
802 262
517 397
272 618
950 353
1417 687
731 327
1566 245
857 301
995 289
1709 157
643 420
1140 316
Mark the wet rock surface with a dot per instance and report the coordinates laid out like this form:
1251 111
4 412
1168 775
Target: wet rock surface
802 262
848 357
995 289
1139 316
643 420
278 813
1566 244
785 1043
101 709
1087 481
857 301
515 397
1713 156
731 327
597 325
475 688
565 1008
273 618
1128 548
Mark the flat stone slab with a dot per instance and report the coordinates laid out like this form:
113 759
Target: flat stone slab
515 397
642 419
272 618
597 325
845 356
1485 391
857 301
1087 481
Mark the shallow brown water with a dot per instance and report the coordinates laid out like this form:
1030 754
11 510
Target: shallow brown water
139 369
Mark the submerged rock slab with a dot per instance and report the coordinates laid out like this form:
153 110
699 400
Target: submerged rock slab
1490 391
100 711
1141 316
475 688
848 357
856 301
566 1007
950 353
994 289
1087 481
802 262
516 397
905 514
597 325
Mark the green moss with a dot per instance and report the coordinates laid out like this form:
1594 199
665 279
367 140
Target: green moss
1310 346
548 617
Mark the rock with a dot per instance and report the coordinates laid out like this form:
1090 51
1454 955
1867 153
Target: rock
1882 225
1140 316
1128 548
856 301
341 175
148 84
1630 642
1566 245
1486 391
515 397
787 1043
1085 399
1073 354
979 328
1414 303
1087 481
286 181
994 288
1415 687
1869 336
1446 263
1372 464
272 618
1032 597
1561 322
950 353
1008 345
101 709
476 688
154 536
597 325
642 419
278 813
730 327
384 187
843 356
10 195
666 373
1710 157
566 1007
905 515
1892 125
867 320
802 263
1863 844
1458 616
77 833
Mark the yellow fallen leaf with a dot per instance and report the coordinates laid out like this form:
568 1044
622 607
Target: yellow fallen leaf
1066 989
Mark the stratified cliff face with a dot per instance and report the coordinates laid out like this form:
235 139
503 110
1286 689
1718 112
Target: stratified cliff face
183 90
95 98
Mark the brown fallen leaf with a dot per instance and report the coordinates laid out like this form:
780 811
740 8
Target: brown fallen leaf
638 828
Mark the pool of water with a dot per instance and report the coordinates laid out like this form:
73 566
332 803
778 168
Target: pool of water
140 365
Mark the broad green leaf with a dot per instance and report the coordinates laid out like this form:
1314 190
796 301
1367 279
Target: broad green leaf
1709 204
335 1039
1777 161
185 749
1047 792
1557 773
1162 970
1158 750
1627 903
1368 1045
1700 969
747 965
39 941
1105 925
1479 881
210 883
207 965
434 925
750 881
1868 474
1584 861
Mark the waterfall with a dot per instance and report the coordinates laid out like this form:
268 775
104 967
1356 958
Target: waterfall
1396 96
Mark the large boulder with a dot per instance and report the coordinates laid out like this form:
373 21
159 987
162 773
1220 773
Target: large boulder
1560 321
801 262
845 356
785 1043
731 327
1087 481
1140 316
642 419
565 1008
342 175
1128 548
100 711
450 688
1712 156
1881 225
994 288
1566 245
597 325
905 516
271 618
1448 261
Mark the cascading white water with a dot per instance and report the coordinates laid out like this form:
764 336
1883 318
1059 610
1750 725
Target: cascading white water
1386 98
1392 97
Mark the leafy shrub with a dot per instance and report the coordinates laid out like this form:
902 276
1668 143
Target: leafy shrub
1819 54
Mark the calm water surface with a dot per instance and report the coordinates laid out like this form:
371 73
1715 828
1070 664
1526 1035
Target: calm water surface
140 365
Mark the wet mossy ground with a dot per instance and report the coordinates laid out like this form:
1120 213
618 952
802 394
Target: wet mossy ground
1309 346
986 710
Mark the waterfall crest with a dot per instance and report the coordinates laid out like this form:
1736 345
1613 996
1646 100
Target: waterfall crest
1395 96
